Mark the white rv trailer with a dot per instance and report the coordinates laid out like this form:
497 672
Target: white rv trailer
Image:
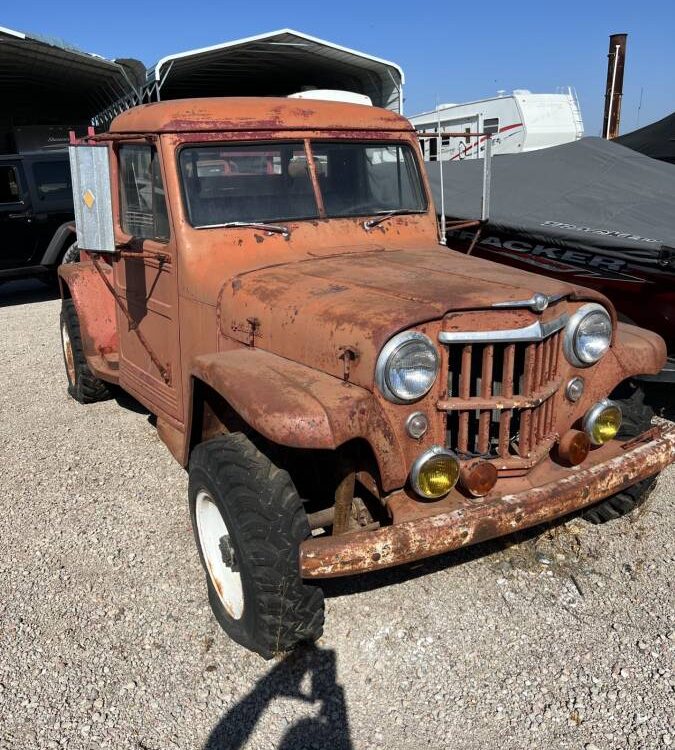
519 122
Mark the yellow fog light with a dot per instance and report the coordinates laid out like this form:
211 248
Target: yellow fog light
602 422
434 473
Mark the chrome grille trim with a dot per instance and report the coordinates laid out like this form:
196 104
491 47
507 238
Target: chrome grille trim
537 331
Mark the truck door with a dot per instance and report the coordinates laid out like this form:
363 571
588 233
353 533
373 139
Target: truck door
145 278
17 238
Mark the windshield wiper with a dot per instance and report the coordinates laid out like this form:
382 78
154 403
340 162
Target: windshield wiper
384 215
273 228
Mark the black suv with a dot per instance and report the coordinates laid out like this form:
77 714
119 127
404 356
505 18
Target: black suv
36 213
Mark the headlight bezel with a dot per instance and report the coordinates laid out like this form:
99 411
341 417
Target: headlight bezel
572 329
392 347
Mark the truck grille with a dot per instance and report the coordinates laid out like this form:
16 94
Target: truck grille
501 398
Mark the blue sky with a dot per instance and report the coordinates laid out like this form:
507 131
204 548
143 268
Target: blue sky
449 51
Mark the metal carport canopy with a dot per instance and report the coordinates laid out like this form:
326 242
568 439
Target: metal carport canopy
47 81
277 63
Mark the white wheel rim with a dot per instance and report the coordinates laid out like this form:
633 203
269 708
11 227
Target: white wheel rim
68 352
211 529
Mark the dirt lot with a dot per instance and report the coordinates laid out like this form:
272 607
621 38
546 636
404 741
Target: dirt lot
563 638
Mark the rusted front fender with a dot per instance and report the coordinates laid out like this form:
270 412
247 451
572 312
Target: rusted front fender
638 351
94 304
299 407
403 542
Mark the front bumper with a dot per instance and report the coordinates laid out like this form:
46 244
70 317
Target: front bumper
358 552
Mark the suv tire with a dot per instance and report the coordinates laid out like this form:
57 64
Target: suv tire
637 418
83 385
72 254
248 522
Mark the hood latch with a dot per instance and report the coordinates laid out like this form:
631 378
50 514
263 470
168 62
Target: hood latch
347 354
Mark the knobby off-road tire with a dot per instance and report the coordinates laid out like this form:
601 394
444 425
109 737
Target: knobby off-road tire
72 255
248 522
83 385
637 418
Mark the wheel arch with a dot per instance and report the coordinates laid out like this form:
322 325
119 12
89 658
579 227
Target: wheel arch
94 305
64 236
315 472
290 406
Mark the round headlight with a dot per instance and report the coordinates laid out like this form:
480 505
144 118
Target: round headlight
588 335
407 367
434 473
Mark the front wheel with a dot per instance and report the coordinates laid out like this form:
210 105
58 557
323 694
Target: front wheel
249 522
637 418
83 385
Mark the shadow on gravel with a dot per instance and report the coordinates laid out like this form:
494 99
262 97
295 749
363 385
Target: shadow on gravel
377 579
26 292
328 728
128 402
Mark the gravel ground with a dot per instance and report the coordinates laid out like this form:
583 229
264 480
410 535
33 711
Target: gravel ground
563 638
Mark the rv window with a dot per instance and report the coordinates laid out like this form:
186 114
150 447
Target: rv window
143 205
52 180
491 125
9 185
467 138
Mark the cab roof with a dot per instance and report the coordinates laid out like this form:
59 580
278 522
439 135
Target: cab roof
254 113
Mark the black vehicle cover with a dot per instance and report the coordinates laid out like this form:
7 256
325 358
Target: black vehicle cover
656 140
592 194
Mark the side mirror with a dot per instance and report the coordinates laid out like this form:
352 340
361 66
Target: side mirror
90 171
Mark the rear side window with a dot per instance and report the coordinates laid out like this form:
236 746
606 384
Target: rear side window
10 192
142 199
52 180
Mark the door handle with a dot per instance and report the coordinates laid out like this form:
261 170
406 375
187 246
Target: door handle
22 215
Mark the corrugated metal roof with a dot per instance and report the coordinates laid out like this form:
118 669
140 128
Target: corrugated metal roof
47 80
277 63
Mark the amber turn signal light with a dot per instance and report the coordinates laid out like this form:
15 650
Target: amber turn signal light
574 447
478 477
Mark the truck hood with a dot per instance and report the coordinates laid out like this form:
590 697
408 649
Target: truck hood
311 310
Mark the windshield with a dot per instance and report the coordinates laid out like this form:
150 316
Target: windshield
271 182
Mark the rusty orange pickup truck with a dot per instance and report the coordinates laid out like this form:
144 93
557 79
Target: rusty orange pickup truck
265 276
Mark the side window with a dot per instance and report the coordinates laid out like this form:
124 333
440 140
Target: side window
142 199
9 185
491 125
52 180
